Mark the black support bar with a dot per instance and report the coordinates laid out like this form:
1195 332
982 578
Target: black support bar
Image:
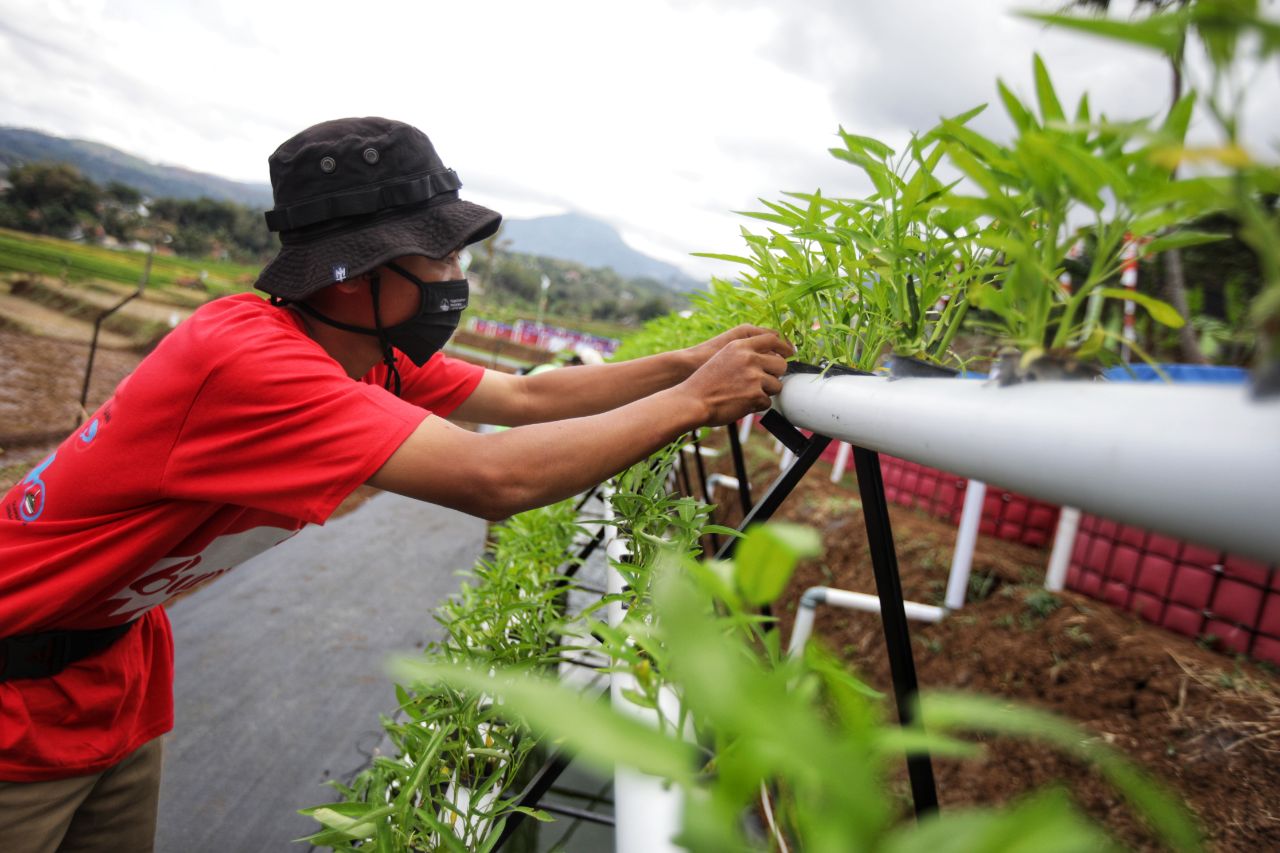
807 451
893 616
578 814
533 792
740 468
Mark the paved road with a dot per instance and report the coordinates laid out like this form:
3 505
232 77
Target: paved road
279 670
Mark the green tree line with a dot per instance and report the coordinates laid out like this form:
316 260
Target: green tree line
57 200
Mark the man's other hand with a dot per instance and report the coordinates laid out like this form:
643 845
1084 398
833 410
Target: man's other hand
700 354
741 376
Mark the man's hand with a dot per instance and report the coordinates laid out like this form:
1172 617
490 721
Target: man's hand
700 354
741 376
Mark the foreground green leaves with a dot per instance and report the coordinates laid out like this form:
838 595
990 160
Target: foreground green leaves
803 730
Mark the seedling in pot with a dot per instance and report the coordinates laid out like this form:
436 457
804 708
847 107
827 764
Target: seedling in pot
1032 193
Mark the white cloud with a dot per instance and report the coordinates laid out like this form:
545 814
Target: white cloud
660 117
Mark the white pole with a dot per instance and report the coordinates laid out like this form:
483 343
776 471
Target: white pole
975 495
842 462
744 431
1064 542
1129 279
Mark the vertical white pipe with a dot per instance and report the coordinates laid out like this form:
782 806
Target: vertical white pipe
647 811
842 462
787 458
803 626
744 431
1064 542
975 495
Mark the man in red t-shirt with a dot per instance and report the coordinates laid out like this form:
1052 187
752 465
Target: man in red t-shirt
255 418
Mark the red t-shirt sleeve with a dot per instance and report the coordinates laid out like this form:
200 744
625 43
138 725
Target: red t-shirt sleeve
441 385
278 426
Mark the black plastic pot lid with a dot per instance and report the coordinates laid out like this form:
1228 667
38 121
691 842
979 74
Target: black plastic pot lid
827 369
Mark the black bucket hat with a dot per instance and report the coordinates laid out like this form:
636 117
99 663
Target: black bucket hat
354 193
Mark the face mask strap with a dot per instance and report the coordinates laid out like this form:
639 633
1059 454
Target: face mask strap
388 357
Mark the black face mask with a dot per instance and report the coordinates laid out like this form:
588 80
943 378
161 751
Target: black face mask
440 307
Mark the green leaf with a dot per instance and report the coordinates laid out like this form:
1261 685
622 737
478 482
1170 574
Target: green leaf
865 143
767 556
1162 312
736 259
1161 32
1046 823
953 711
1022 118
1180 240
1179 119
595 732
1050 108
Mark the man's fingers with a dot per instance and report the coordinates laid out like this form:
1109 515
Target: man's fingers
772 385
770 342
773 364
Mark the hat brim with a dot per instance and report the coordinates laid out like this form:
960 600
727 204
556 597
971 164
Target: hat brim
299 270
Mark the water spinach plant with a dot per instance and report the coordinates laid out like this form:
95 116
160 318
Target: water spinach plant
797 739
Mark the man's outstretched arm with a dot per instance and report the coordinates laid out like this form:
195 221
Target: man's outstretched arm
497 475
573 392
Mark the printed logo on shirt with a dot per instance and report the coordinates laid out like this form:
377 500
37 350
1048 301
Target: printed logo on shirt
339 272
174 575
33 494
84 438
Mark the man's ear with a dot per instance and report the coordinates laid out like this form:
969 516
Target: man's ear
351 285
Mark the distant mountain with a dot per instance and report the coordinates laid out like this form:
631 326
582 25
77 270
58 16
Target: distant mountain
574 237
102 164
570 237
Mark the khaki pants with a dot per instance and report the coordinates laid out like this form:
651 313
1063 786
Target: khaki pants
110 812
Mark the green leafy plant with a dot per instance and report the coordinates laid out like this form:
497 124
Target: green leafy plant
1034 193
1238 42
798 734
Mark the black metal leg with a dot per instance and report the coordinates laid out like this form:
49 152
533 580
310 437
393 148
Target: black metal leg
587 551
706 490
684 473
807 451
884 562
546 776
740 469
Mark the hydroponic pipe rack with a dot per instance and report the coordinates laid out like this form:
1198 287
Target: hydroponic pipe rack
1201 462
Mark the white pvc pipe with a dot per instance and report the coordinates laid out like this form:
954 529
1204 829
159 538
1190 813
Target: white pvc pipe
1064 542
975 495
1200 462
842 462
721 480
744 431
647 810
847 600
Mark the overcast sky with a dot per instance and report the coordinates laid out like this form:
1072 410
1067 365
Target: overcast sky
660 117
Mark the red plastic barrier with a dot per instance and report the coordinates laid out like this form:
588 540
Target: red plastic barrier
1005 515
1196 591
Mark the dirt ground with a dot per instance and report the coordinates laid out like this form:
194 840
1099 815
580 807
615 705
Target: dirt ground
40 384
1206 725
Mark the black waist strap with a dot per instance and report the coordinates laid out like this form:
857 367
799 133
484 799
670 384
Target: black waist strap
50 652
